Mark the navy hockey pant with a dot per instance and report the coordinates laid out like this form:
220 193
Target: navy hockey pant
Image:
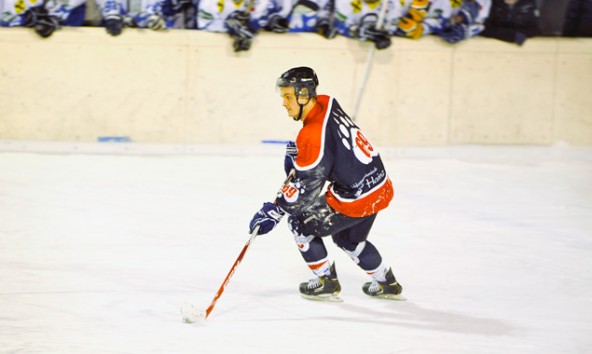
350 234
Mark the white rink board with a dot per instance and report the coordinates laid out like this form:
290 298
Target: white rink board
188 87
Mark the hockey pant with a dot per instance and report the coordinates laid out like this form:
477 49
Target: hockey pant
350 234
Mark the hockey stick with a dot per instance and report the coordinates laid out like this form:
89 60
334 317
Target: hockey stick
379 23
190 313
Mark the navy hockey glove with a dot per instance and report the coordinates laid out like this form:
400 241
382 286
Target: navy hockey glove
290 158
520 38
277 24
114 24
455 34
267 218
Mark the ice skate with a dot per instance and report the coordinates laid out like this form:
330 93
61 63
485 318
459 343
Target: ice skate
325 288
390 289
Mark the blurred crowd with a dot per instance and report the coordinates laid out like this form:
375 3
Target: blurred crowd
376 21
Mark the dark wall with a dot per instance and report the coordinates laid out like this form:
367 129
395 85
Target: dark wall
552 15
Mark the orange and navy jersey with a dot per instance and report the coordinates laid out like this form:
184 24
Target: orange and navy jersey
333 149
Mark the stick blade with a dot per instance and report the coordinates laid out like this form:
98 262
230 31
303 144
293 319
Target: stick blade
192 314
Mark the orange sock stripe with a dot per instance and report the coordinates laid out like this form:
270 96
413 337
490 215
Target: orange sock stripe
317 266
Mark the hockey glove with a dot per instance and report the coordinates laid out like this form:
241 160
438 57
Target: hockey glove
368 32
42 22
520 38
291 152
277 24
114 24
241 44
46 25
455 34
380 38
155 22
237 25
326 28
267 218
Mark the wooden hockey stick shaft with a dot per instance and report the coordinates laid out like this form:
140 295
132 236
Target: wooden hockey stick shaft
379 23
244 251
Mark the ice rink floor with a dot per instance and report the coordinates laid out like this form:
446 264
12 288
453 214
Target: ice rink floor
98 252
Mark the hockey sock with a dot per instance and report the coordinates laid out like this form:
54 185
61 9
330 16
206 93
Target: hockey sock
366 256
379 274
314 253
320 268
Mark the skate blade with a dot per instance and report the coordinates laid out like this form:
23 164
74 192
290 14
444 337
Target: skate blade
391 297
323 297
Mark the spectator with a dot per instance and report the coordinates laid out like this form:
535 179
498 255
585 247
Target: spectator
243 20
315 16
68 12
359 19
409 21
457 20
118 14
578 19
180 14
275 18
114 14
45 17
15 13
512 21
238 19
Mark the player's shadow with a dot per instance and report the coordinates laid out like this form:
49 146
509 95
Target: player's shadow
409 314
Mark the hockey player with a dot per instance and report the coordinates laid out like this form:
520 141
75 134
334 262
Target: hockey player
45 17
275 18
118 14
68 12
232 17
243 19
180 14
238 18
409 22
15 13
359 18
304 15
456 20
330 148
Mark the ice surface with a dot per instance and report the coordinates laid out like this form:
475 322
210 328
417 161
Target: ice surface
98 252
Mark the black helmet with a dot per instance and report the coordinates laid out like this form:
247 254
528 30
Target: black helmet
303 79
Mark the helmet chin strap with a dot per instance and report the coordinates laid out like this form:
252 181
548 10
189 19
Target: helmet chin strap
301 108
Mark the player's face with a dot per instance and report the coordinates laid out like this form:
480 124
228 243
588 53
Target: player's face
289 101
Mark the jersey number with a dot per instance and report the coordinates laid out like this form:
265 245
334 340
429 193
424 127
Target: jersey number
363 144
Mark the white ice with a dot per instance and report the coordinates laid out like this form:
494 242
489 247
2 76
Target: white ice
493 246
